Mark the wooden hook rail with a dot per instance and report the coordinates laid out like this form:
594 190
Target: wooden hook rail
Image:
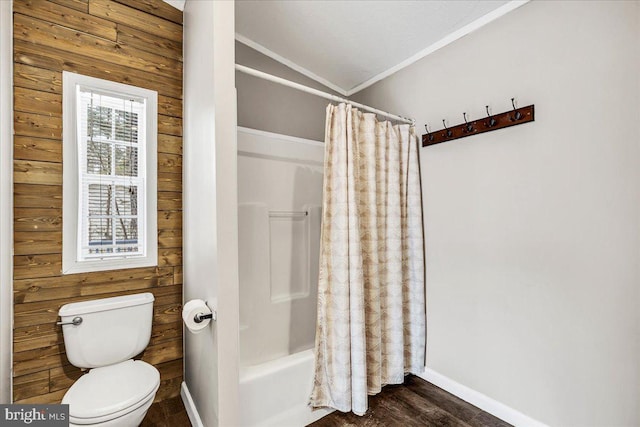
509 118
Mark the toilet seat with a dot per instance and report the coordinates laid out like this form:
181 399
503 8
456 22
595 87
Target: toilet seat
110 392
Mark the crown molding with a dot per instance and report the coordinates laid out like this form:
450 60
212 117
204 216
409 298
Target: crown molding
284 61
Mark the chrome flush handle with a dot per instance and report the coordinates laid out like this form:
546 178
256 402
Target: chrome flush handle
75 322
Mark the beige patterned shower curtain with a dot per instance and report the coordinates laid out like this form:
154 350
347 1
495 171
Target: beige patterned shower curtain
371 295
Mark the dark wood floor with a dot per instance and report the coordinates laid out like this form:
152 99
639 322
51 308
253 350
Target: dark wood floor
168 413
415 403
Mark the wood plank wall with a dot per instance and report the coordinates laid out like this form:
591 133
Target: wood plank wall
138 42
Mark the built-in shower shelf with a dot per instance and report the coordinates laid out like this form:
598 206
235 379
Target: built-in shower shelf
287 214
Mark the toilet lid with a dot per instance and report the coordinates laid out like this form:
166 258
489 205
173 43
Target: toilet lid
111 389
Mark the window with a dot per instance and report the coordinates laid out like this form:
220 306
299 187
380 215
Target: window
109 175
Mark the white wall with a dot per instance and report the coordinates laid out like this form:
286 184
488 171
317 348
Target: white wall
6 200
533 232
210 208
275 108
226 211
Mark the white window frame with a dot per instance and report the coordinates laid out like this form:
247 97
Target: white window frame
71 206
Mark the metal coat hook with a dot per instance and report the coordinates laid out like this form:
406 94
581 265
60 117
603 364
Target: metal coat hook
429 134
518 114
492 121
449 133
468 126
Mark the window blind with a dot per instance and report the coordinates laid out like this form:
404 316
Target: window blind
111 138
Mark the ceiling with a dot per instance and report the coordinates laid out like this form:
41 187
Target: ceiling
349 45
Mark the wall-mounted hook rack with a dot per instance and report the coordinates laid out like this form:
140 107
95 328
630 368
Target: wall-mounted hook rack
490 123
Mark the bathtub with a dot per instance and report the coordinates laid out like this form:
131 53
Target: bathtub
276 393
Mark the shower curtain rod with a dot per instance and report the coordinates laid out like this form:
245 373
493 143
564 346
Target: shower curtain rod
319 93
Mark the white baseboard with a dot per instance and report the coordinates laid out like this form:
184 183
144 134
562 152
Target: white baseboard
192 412
487 404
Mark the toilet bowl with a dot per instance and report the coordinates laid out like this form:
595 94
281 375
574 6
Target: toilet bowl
117 395
117 391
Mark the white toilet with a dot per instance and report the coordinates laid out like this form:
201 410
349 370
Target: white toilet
104 335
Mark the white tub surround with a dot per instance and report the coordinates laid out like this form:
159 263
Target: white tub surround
275 393
279 194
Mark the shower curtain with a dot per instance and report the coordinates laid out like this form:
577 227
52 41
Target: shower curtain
371 297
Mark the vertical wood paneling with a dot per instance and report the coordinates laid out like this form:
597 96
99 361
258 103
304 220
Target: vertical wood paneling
140 40
31 385
136 18
37 196
169 144
44 150
27 76
80 5
160 9
64 16
32 172
34 62
37 125
46 34
137 42
33 266
33 101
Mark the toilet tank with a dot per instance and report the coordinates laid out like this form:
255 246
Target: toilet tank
112 329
